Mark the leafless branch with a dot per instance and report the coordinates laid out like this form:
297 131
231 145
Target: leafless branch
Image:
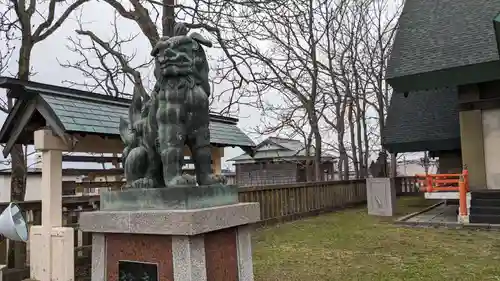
103 63
6 53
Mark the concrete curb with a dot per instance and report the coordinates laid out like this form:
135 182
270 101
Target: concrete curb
446 225
452 225
403 220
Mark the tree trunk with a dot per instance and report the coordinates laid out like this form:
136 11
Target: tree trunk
17 180
168 18
394 165
342 155
317 145
17 250
365 139
353 140
344 158
426 162
18 176
318 172
381 117
359 136
307 163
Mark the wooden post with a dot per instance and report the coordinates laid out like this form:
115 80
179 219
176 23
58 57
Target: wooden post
217 154
463 189
51 253
463 196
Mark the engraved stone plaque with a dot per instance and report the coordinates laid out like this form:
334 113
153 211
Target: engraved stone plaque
137 271
381 196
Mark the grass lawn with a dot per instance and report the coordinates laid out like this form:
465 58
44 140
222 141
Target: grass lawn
350 245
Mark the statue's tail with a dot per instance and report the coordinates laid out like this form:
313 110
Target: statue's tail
125 133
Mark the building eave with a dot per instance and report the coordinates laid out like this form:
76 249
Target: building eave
451 77
420 146
47 98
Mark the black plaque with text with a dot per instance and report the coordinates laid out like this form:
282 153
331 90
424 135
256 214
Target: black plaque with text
137 271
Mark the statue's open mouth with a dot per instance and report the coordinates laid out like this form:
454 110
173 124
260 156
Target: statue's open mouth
173 63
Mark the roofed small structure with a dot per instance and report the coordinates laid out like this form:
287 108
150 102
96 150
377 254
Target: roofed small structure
280 160
71 111
278 149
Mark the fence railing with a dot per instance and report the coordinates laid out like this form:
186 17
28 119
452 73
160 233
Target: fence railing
406 186
277 203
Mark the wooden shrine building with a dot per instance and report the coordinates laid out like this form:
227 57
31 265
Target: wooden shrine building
88 122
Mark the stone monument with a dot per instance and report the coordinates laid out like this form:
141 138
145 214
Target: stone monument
164 225
381 196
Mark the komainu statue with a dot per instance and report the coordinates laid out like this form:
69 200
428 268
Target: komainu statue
176 114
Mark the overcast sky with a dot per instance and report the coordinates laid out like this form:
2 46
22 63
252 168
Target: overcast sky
98 17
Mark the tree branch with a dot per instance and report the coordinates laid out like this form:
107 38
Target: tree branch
113 68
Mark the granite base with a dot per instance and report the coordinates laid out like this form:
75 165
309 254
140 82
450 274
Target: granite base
168 198
209 244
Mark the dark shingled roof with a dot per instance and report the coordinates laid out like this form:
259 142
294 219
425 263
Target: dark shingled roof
77 111
423 121
437 35
102 117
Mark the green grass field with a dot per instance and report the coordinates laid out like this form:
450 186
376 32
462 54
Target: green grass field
350 245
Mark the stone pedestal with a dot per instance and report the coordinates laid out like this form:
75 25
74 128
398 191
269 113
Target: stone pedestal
177 244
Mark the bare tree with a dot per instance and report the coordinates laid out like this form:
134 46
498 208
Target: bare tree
291 123
6 53
325 63
315 69
111 68
114 70
18 24
280 55
357 47
336 69
381 23
355 83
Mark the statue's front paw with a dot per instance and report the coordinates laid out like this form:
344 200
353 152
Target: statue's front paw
184 180
215 179
143 183
189 179
222 179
